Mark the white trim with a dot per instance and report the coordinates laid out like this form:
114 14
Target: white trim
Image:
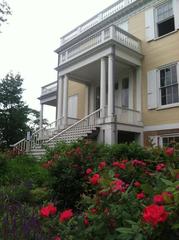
161 127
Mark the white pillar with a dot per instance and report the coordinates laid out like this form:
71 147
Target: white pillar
111 85
59 101
65 101
41 115
91 98
139 89
41 120
103 87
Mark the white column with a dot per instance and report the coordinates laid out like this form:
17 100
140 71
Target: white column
103 87
86 100
139 93
139 89
41 115
41 120
65 101
59 101
111 85
91 98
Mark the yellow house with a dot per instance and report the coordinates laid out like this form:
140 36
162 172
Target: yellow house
118 75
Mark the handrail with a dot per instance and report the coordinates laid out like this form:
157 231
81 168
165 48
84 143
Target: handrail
129 109
72 126
13 145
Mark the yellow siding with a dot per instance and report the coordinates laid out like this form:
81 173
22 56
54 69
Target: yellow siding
156 53
79 89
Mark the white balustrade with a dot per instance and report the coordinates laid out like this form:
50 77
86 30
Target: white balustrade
114 8
128 116
111 32
52 87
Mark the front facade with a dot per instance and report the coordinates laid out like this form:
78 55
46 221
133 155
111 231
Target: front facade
122 68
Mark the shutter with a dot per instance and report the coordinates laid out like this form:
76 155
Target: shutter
149 24
178 72
152 89
176 13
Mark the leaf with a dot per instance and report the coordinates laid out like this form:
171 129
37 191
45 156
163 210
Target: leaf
125 230
139 236
147 188
167 182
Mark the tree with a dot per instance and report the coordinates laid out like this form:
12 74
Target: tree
13 111
4 11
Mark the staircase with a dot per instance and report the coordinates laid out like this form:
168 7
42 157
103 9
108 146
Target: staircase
84 128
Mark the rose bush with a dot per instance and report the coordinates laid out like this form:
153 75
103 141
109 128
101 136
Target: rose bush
120 198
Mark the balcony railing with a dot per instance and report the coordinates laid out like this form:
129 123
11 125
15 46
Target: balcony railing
110 33
128 116
114 8
49 88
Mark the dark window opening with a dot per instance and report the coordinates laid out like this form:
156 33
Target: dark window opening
166 27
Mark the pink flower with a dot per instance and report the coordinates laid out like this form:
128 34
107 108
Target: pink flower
88 171
138 163
66 215
95 179
154 214
119 165
160 167
48 210
116 175
169 151
85 220
93 210
119 185
158 199
101 165
57 238
137 184
140 196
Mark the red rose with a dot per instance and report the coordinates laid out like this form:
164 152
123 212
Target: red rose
154 214
119 185
48 210
85 220
119 165
57 238
137 184
65 215
101 165
136 162
158 199
116 175
88 171
169 151
160 167
93 210
140 195
95 179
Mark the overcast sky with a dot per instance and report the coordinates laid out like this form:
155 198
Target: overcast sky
28 42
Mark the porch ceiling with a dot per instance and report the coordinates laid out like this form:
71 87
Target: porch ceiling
91 73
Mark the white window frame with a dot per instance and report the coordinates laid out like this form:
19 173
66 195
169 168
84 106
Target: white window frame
168 136
155 19
159 87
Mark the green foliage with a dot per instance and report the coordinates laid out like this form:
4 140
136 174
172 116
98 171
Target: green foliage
4 11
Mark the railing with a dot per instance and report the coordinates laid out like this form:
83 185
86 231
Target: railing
114 8
89 120
112 32
37 138
51 87
128 116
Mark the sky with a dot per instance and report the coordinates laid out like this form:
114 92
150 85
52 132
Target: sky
33 32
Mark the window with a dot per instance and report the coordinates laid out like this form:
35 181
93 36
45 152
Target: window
169 85
125 92
170 141
164 18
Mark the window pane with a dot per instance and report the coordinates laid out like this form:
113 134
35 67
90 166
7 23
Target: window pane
169 95
166 27
175 93
163 96
164 11
168 76
174 74
162 78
